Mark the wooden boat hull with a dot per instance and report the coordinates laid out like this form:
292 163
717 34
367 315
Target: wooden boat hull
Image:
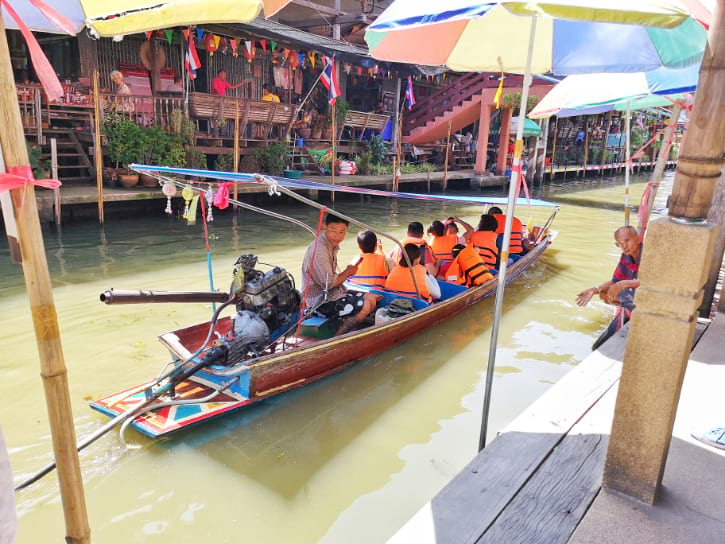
276 373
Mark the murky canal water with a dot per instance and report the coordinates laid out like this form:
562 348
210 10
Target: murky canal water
348 459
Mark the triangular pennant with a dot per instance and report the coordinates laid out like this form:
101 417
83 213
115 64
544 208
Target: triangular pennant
217 40
169 36
148 34
249 50
263 43
359 70
185 33
234 43
199 34
274 45
312 59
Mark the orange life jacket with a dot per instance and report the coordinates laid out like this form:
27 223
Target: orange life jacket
371 271
443 246
517 236
468 269
484 241
401 283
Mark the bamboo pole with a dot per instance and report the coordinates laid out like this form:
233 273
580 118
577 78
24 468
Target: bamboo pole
553 148
445 162
45 320
334 153
398 148
236 148
54 175
98 154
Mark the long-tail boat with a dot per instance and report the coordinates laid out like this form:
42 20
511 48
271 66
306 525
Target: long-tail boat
266 348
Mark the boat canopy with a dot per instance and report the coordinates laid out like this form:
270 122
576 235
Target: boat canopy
301 184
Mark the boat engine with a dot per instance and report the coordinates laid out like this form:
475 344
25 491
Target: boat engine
266 302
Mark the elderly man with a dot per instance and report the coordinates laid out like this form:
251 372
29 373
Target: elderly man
619 291
324 285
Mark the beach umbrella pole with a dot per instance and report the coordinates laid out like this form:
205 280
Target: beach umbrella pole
627 159
42 309
513 190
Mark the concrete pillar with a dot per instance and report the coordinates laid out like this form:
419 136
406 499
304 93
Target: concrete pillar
503 143
658 347
484 125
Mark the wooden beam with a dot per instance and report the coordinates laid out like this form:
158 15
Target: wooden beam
315 6
346 19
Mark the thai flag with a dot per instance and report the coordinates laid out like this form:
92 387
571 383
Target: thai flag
191 61
409 94
329 80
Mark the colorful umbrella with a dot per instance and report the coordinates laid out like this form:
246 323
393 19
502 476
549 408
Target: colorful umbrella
131 16
575 36
598 36
596 93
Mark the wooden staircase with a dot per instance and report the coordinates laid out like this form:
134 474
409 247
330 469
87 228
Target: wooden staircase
74 162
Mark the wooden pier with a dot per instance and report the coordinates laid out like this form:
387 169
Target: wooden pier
539 481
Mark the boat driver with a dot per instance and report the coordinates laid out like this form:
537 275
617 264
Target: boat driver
324 285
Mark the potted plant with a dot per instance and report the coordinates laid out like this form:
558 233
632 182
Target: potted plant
364 162
126 145
156 144
40 166
319 124
272 159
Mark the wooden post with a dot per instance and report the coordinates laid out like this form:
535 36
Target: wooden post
662 328
42 307
605 139
539 177
398 149
98 154
553 149
236 148
334 154
445 162
586 147
54 175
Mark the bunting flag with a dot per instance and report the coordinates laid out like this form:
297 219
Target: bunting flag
199 34
329 80
191 61
312 59
497 96
234 43
211 44
274 45
263 43
249 50
359 70
409 94
149 33
169 36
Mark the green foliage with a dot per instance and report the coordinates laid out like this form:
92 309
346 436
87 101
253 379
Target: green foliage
408 168
272 159
126 142
156 145
176 155
195 159
182 127
514 101
377 150
225 163
382 169
341 109
364 161
39 166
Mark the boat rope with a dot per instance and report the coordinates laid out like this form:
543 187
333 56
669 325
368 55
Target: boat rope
207 247
303 304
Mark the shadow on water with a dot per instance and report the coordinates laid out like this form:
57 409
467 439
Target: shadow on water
285 441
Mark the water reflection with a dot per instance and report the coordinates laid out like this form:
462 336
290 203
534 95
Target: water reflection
317 464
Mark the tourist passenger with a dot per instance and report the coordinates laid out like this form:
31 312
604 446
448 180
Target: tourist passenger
373 267
516 243
442 246
619 291
324 285
484 240
452 228
467 267
220 85
269 96
400 279
414 235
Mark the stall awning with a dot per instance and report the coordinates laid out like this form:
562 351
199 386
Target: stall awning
530 127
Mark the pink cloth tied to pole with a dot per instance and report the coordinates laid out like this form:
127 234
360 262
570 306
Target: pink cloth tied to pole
221 199
17 177
43 69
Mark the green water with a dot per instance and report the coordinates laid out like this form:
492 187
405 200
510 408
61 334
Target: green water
348 459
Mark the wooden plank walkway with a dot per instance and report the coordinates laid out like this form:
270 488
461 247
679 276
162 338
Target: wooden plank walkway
541 476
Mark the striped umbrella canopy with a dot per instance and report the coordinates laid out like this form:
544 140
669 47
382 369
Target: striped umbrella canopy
596 93
119 17
572 36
